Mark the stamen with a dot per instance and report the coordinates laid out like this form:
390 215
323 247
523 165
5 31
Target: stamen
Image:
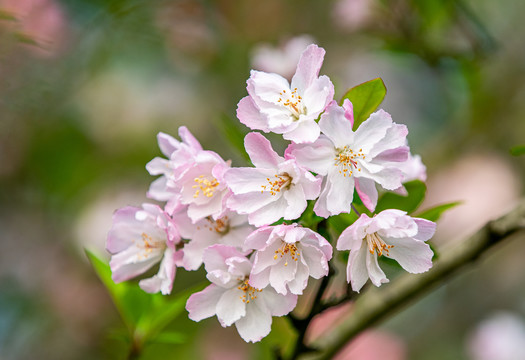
346 160
376 244
205 185
282 181
287 248
250 293
292 102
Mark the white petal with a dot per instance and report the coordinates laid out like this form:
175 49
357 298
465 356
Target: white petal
202 304
231 306
413 255
336 126
356 270
256 324
377 276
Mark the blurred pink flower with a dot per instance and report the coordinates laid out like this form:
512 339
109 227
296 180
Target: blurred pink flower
283 59
500 337
352 14
41 21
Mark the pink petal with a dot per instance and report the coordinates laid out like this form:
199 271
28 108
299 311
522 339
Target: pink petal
202 304
296 202
163 280
249 115
349 111
167 144
316 261
281 274
317 96
426 229
318 157
189 139
399 154
269 213
366 189
372 130
308 67
395 137
336 126
306 132
266 87
260 151
246 180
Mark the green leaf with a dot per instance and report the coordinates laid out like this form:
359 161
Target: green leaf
145 315
340 222
434 213
518 150
365 98
416 193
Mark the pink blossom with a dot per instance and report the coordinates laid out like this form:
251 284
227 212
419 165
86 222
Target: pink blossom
180 155
391 233
275 188
231 229
190 176
139 239
233 299
274 105
286 255
412 169
362 158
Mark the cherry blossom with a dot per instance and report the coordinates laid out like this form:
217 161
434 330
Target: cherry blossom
274 105
369 155
231 229
275 188
233 299
286 256
139 239
180 155
391 233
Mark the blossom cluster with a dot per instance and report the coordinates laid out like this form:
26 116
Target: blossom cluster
242 222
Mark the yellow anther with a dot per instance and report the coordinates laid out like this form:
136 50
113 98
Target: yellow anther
376 244
205 185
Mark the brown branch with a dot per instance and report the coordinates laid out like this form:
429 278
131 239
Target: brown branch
377 304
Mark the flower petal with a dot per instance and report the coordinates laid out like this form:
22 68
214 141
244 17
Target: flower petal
202 304
413 255
260 151
230 306
256 324
356 270
367 191
377 276
249 115
336 126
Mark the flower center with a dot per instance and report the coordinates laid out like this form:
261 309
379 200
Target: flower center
280 182
149 244
293 102
376 244
205 186
287 248
221 226
346 160
250 293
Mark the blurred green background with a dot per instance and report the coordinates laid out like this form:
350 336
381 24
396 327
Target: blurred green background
87 84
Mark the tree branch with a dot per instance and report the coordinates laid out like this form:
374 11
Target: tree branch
378 303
